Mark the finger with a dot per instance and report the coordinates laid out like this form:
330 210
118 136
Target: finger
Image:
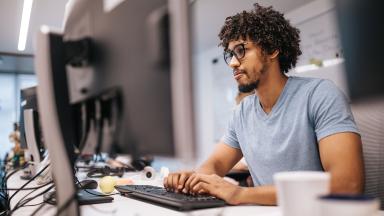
202 191
182 180
193 183
188 182
169 182
165 183
201 178
201 187
175 182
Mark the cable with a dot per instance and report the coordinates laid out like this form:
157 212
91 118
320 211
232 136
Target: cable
21 200
38 209
16 170
4 192
5 179
30 188
29 181
21 204
31 205
88 191
30 199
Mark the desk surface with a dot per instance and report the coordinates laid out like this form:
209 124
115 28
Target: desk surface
132 207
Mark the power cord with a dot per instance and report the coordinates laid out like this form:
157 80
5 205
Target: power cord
30 199
3 192
22 199
16 170
38 209
30 188
22 187
31 205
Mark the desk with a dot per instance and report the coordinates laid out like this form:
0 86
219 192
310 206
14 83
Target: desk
132 207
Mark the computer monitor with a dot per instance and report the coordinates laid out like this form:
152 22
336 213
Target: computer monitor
28 100
128 66
363 44
30 131
128 59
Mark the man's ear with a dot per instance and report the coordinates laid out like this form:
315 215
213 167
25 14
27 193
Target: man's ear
274 54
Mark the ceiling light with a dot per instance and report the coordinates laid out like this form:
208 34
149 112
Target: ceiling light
24 24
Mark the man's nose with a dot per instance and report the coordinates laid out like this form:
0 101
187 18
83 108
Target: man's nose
234 62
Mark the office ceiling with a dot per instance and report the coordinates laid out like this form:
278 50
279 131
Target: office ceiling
209 16
49 12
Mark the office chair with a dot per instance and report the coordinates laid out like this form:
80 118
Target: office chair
369 117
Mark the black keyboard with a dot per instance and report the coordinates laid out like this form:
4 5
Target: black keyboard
161 196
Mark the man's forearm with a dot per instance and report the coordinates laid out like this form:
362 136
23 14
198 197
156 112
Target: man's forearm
212 168
261 195
207 168
221 161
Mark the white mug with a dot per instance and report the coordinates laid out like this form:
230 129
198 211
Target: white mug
297 191
348 205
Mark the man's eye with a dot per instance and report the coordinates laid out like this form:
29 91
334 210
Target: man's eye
239 51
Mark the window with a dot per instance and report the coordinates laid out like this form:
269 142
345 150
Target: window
15 73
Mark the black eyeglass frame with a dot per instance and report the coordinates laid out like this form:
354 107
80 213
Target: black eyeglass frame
228 54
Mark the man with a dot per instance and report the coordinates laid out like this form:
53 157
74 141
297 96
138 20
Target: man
289 124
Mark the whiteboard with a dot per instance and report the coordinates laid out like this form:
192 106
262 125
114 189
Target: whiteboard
320 42
320 39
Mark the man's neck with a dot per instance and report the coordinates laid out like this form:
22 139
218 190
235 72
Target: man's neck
270 88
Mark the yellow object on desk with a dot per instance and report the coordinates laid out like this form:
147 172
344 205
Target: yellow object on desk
107 184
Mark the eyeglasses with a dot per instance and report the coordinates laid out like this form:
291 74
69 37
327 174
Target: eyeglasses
238 51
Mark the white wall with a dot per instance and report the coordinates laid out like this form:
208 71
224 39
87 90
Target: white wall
203 80
209 16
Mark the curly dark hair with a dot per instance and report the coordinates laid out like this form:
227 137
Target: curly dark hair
269 29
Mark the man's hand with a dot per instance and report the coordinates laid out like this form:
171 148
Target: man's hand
176 181
213 185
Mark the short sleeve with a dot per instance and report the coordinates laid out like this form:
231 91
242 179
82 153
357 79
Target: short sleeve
330 111
230 136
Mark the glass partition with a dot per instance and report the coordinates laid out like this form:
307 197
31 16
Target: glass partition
16 72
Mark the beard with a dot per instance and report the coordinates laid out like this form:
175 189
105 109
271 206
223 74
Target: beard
248 87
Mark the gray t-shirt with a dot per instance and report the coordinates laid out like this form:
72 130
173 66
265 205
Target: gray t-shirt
286 139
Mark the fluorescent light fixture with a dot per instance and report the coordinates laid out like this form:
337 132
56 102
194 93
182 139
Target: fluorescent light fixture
305 68
331 62
27 8
325 63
